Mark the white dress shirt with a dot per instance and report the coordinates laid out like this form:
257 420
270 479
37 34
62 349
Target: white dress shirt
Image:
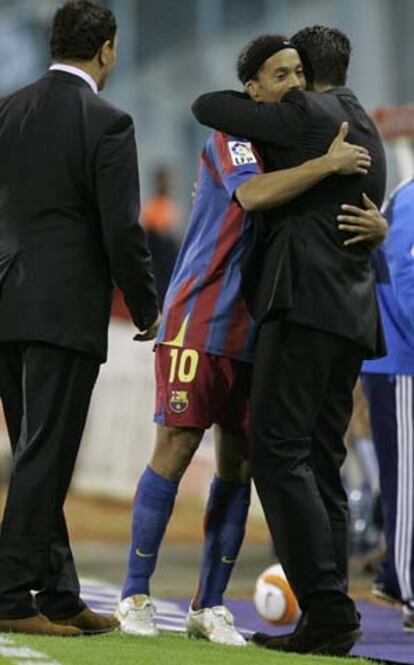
69 69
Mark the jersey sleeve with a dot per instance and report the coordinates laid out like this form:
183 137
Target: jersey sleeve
235 160
399 249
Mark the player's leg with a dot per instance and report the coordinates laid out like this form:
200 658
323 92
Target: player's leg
380 391
153 505
226 511
391 403
404 537
225 518
154 502
232 455
181 423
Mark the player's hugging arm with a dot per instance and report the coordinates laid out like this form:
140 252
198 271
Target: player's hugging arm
366 224
270 190
280 123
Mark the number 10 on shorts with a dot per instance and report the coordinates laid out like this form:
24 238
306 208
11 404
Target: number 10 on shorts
184 364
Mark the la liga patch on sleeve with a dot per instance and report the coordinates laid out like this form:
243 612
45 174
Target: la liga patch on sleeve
241 153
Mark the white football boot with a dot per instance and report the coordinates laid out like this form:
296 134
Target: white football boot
136 614
408 616
215 624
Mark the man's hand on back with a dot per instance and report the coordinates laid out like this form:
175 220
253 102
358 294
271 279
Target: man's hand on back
367 224
348 159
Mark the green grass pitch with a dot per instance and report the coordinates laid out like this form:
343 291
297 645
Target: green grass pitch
168 649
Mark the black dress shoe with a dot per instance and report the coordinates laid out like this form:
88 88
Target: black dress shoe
261 639
328 640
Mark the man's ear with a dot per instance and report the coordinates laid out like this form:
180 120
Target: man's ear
103 54
251 87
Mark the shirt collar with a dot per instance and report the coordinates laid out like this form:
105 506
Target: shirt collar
69 69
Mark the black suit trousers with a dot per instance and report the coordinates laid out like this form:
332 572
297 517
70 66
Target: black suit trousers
301 405
46 392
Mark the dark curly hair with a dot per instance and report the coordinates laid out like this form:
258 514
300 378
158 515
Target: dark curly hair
325 53
79 30
255 52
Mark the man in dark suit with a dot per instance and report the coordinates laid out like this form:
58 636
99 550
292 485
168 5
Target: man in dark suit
69 204
316 305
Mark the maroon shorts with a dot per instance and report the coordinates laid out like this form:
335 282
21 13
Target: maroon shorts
197 389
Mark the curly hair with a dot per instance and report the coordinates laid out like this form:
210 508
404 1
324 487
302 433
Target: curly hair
79 30
325 53
256 52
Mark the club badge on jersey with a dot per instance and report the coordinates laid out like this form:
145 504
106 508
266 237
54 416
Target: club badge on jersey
241 153
179 401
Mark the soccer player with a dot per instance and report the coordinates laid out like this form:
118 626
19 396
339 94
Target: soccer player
203 366
388 384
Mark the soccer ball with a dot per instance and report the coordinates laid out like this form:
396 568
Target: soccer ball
273 597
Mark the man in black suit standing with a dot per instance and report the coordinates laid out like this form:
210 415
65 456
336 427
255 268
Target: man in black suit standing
316 305
69 205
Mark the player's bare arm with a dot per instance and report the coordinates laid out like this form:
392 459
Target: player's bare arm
367 224
270 190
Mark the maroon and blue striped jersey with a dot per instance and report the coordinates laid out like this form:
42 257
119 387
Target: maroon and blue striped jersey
203 308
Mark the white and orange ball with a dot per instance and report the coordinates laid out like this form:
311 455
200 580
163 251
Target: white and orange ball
273 597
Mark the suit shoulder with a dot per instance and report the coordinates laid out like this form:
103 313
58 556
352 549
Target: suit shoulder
21 93
104 116
316 99
106 110
298 97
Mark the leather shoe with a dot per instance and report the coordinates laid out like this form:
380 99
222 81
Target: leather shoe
261 639
37 625
329 640
90 623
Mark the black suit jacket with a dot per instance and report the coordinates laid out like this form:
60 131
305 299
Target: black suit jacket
306 270
69 206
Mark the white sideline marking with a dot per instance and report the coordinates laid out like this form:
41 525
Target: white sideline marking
20 652
31 656
170 627
5 640
169 619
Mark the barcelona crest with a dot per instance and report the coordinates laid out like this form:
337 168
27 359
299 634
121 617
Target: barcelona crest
179 401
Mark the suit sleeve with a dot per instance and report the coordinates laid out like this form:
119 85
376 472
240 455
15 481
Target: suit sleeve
280 123
118 196
399 248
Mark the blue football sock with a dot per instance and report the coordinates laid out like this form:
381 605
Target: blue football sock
224 527
153 504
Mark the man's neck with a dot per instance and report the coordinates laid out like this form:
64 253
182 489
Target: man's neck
322 87
89 67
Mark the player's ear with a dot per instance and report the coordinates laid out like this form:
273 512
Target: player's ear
251 87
